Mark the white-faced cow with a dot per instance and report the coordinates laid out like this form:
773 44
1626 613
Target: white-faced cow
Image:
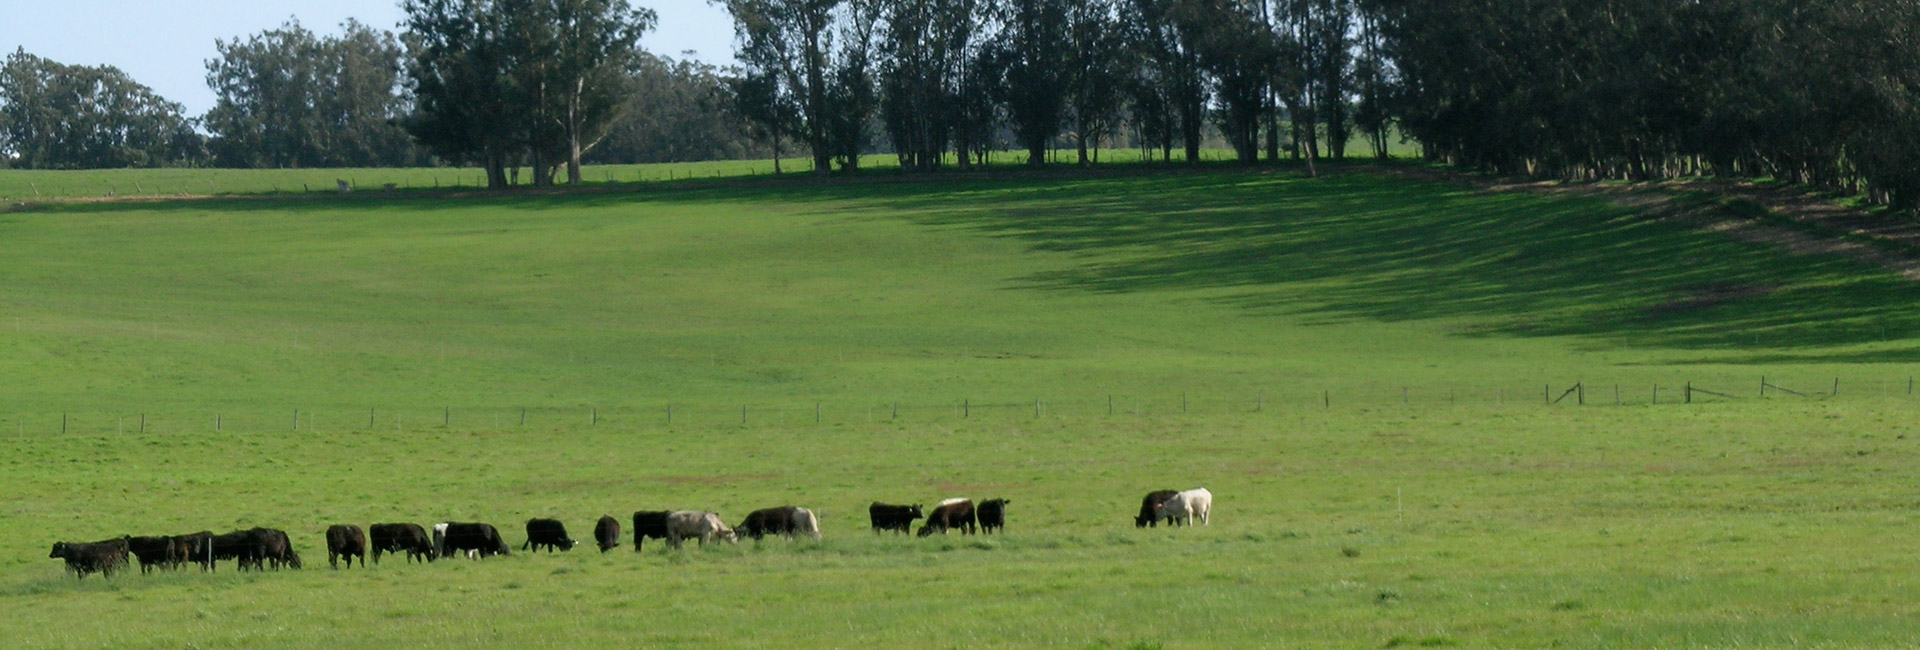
896 518
1182 508
394 538
993 515
951 513
1150 512
606 532
706 526
549 533
786 521
346 540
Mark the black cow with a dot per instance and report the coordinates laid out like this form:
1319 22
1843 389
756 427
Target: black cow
649 523
892 517
346 540
606 532
475 539
1150 508
549 533
97 557
394 538
192 547
993 515
272 547
237 545
954 513
151 551
788 521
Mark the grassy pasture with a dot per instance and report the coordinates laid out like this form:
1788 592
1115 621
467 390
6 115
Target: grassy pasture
1484 521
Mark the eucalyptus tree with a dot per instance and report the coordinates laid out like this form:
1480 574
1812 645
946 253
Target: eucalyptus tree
1034 71
1097 68
286 97
789 42
59 116
496 82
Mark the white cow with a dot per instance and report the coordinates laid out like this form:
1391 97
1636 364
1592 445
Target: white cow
805 523
706 526
1183 507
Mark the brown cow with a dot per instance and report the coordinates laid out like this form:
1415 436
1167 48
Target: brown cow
952 513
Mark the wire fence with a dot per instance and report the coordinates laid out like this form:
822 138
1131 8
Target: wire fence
795 413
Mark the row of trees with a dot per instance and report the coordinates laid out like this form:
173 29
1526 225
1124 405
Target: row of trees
1824 92
942 77
498 83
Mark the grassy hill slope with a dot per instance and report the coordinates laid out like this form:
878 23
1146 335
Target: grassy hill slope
1254 331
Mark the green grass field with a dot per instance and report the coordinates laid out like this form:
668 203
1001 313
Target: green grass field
1355 365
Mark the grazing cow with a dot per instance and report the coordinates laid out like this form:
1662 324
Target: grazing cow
993 515
606 532
237 545
151 551
891 517
1150 513
953 514
682 524
346 540
271 545
192 547
649 523
97 557
394 538
476 540
787 521
1183 507
549 533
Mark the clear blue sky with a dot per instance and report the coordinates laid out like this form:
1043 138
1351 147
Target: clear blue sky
165 44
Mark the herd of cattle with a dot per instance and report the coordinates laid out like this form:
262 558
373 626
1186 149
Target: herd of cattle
261 548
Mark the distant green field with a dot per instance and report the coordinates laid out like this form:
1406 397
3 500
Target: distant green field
1357 365
31 185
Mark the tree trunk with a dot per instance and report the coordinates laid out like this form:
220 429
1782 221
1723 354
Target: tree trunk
573 132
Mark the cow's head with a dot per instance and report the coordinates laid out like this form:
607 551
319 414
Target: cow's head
568 544
915 513
59 550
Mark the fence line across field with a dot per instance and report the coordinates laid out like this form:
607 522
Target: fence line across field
680 414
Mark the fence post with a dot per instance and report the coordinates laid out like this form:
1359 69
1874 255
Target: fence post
1110 403
594 416
63 423
1836 386
1259 401
216 423
1183 402
1326 399
370 412
143 424
1689 393
1036 408
966 409
1404 400
896 410
816 412
296 419
1580 398
523 416
446 417
1763 385
1546 393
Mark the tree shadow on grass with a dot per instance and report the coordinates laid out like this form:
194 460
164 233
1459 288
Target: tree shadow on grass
1397 249
1360 245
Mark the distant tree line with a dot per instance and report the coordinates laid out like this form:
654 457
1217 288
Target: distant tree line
1822 92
